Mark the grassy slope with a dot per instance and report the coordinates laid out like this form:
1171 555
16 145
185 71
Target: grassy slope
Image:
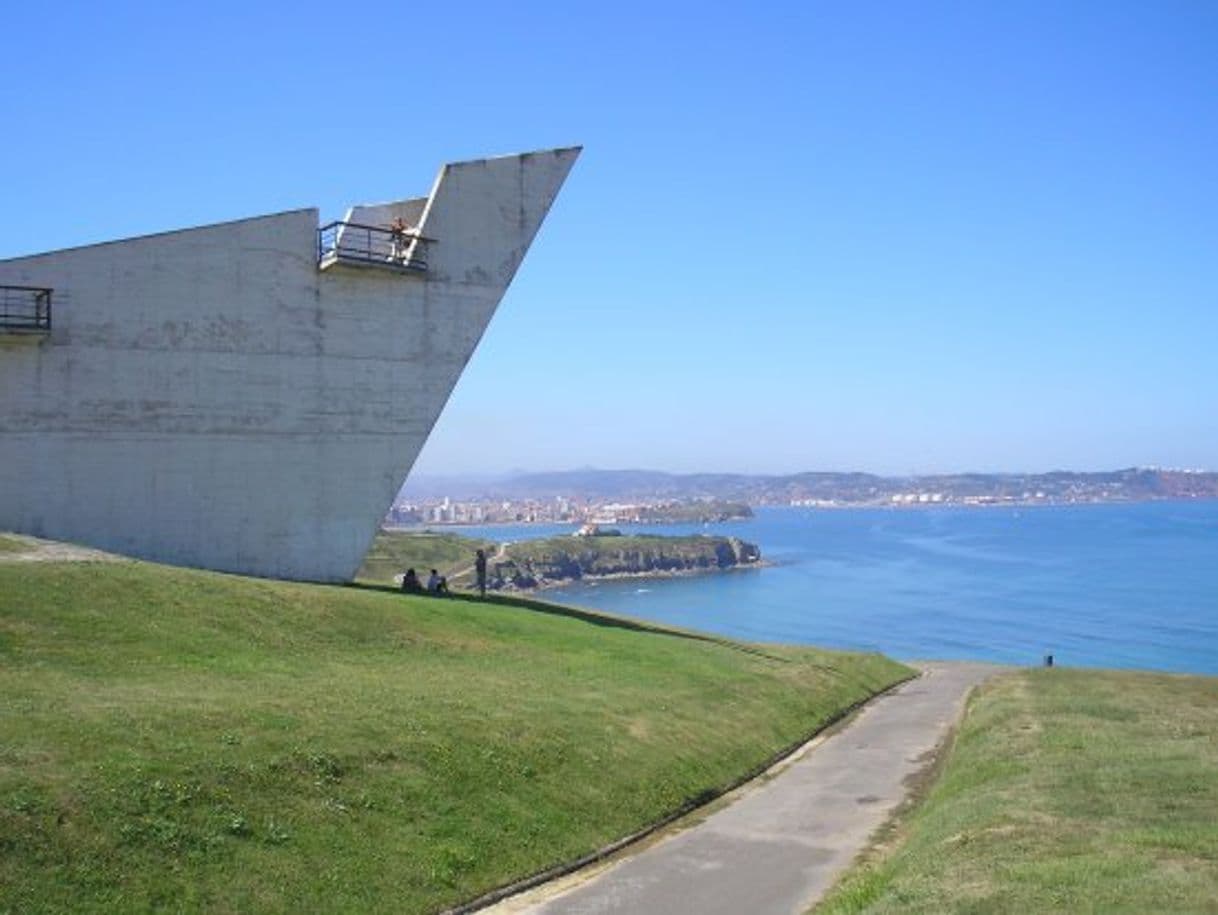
1075 791
12 545
393 552
172 739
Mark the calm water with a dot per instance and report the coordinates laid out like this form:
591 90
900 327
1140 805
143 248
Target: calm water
1104 585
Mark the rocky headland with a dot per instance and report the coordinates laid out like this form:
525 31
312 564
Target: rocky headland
556 560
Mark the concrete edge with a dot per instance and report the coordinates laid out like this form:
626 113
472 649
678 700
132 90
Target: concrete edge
694 804
161 233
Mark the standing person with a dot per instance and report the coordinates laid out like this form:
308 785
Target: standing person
397 240
480 570
433 582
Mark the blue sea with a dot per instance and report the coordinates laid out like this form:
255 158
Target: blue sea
1130 586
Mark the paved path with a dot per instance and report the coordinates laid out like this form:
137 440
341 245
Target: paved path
782 841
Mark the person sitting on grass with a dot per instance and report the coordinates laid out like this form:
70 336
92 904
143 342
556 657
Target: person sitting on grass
433 582
410 582
442 586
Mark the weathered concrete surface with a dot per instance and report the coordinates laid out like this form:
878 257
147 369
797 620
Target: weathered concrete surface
784 840
211 398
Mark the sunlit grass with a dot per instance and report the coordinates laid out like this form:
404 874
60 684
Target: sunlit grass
1067 791
12 545
393 552
180 740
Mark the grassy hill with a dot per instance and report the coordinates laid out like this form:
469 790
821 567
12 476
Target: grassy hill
528 562
393 552
11 545
181 740
1066 791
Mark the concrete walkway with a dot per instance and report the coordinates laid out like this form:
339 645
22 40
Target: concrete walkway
783 840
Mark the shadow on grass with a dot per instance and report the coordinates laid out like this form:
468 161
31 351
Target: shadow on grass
594 617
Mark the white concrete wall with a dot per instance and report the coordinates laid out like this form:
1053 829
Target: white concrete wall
209 398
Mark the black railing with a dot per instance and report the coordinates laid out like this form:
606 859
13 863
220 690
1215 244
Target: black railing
381 246
25 309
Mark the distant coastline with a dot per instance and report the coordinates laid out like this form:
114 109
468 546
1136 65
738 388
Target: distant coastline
632 497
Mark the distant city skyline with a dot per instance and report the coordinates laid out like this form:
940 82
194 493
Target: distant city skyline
647 496
903 239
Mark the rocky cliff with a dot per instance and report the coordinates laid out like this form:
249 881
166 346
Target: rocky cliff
538 562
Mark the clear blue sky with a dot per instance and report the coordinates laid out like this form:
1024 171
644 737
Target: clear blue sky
883 236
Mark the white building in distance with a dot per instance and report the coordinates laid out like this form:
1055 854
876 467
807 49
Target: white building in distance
250 396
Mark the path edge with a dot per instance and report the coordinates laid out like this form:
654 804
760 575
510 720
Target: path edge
690 806
929 776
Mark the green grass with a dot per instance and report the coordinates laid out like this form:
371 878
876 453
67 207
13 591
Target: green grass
1066 791
12 545
176 740
393 552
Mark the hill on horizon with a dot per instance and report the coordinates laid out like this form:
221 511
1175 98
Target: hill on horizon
633 484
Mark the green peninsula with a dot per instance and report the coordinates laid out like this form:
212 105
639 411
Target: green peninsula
533 563
553 560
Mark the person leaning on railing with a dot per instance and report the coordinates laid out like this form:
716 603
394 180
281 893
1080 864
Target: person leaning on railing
398 231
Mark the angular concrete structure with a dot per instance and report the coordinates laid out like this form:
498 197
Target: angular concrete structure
249 397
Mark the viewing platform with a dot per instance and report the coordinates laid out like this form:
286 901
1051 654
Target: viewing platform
383 247
25 310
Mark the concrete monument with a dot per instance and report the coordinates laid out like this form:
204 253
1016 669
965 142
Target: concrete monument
249 397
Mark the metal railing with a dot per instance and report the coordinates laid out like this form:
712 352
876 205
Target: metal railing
25 309
381 246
